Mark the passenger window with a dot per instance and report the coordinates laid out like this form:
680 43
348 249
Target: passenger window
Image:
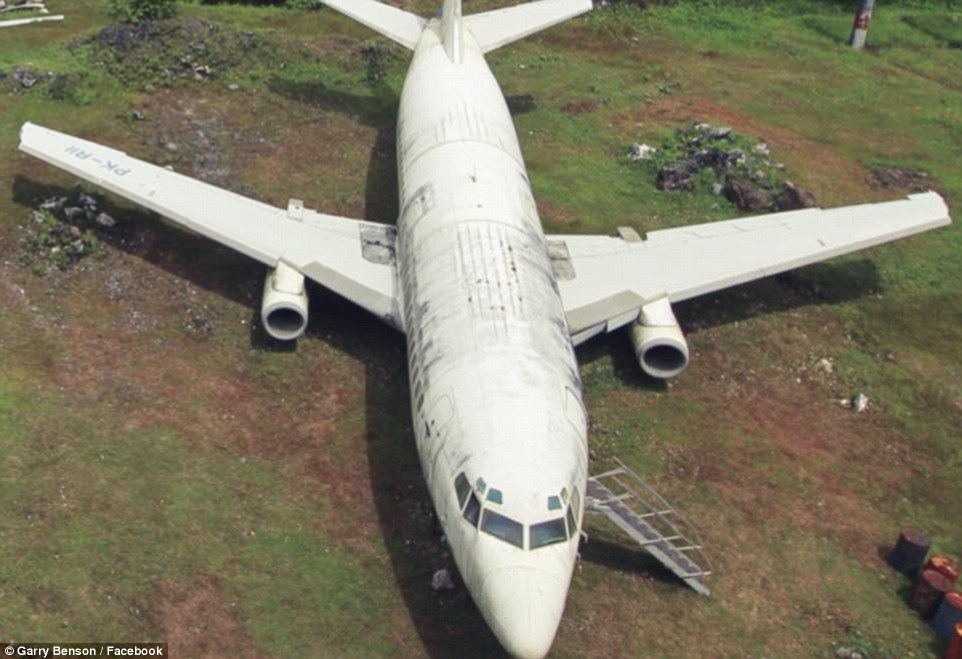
503 528
463 488
472 510
547 533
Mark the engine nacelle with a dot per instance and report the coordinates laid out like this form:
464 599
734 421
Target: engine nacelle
284 307
659 343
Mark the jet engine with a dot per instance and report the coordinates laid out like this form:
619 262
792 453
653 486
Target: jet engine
658 341
284 307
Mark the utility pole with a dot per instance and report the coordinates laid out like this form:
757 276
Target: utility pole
863 16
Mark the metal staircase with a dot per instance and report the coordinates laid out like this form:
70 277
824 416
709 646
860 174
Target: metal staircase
648 519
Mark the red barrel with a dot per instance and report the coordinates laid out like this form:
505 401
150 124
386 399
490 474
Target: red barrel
929 591
910 551
955 645
948 616
945 565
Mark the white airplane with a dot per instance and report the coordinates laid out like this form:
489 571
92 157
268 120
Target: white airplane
492 307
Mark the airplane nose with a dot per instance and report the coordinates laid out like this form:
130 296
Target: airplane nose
524 607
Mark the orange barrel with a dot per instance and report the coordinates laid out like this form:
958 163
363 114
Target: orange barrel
910 551
930 588
948 615
955 645
944 564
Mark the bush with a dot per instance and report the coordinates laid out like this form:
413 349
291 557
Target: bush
135 11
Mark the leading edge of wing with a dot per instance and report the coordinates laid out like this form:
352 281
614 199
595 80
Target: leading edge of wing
610 278
326 248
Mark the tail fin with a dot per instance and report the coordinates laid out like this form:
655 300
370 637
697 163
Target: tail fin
451 30
493 29
396 24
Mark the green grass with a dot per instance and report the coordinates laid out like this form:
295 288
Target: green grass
157 466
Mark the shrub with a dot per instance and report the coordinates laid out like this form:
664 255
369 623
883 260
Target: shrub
135 11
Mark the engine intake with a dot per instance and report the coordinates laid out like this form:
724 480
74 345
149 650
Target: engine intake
659 343
284 307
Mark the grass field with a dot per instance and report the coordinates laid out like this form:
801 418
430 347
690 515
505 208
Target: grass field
170 473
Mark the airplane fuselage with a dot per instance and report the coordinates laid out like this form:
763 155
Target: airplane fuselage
495 389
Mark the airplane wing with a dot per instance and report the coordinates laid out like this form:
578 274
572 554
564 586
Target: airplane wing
352 258
604 281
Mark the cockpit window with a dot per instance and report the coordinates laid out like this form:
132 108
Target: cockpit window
481 485
502 527
472 510
463 488
494 495
554 503
547 533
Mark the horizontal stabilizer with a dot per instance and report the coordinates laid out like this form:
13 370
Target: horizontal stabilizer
396 24
493 29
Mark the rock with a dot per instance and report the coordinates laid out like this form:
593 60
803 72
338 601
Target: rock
72 213
87 202
860 402
825 364
716 189
762 149
137 115
24 78
441 581
201 71
171 146
53 204
793 197
233 86
745 197
719 132
640 152
676 176
848 653
105 220
703 127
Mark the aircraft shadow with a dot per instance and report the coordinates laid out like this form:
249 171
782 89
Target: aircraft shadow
598 550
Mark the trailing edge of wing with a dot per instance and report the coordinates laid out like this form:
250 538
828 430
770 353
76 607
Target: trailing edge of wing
396 24
499 27
609 278
334 251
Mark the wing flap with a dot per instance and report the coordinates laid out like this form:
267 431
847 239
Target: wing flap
612 277
327 248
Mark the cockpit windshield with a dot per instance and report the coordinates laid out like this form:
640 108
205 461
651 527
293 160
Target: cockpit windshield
547 533
474 502
503 528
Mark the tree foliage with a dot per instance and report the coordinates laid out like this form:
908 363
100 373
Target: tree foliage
135 11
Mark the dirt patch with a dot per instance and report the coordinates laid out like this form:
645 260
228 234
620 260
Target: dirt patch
830 176
580 107
196 621
204 136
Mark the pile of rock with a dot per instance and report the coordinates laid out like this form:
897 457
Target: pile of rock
61 232
735 167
